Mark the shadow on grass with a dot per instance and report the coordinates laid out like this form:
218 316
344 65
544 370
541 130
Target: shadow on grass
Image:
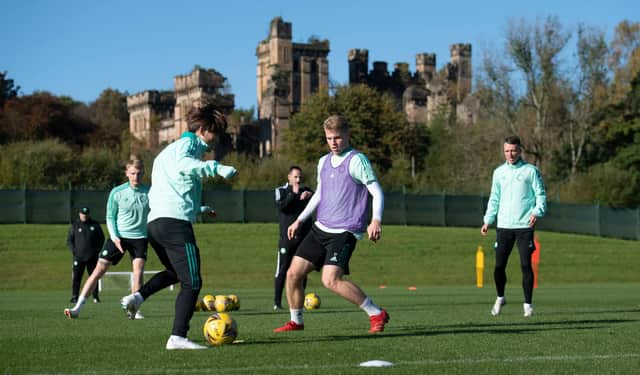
509 328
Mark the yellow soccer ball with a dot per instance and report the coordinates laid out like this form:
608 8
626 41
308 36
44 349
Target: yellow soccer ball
235 302
220 329
222 303
311 301
208 303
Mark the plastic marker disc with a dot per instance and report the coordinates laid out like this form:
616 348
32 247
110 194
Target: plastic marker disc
376 363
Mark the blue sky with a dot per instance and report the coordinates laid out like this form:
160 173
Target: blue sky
79 48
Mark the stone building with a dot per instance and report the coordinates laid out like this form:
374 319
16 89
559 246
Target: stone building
287 75
425 93
158 117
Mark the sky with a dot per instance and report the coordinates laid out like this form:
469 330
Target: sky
80 48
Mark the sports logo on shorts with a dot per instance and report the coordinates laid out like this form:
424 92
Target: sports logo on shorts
334 258
105 252
283 250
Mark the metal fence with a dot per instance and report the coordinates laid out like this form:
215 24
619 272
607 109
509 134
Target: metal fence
49 207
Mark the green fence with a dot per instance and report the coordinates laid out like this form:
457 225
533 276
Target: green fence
40 206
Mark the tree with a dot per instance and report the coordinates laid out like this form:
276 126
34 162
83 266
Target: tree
7 89
589 91
42 115
625 57
110 114
524 90
376 127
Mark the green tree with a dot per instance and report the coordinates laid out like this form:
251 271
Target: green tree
8 90
376 127
44 165
111 116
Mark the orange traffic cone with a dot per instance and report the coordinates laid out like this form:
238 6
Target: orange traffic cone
535 261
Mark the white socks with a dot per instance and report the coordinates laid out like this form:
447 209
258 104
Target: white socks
370 308
80 303
296 316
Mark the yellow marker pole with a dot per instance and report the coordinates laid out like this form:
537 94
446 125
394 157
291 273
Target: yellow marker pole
479 266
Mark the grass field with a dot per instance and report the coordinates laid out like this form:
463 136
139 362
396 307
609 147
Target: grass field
586 319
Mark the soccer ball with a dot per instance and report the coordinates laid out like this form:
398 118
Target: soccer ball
220 328
208 303
311 301
222 303
235 302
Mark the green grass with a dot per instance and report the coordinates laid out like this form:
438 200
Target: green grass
586 319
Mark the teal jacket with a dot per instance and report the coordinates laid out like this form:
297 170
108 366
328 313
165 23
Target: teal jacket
176 179
127 210
517 192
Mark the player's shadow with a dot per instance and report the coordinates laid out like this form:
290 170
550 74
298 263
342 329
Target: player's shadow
506 328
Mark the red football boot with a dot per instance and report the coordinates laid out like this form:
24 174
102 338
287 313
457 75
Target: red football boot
290 326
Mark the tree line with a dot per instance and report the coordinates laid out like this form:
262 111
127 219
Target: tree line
571 95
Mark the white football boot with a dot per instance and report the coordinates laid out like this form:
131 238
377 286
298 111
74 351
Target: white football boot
528 309
497 306
130 304
138 315
180 343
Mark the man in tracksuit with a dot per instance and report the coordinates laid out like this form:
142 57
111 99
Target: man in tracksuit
85 239
518 199
291 200
175 201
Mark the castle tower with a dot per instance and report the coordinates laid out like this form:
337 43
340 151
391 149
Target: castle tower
426 66
287 75
190 89
461 60
150 116
358 65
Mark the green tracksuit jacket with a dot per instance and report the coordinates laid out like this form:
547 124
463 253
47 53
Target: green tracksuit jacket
176 179
517 192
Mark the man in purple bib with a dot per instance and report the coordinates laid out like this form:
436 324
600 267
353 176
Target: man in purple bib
345 180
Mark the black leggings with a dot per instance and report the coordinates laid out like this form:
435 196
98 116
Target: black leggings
506 238
175 244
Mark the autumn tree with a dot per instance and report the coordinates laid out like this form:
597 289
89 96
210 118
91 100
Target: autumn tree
625 57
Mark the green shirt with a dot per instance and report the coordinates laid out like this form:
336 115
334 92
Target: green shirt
127 210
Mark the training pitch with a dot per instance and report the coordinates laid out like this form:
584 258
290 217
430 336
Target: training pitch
586 320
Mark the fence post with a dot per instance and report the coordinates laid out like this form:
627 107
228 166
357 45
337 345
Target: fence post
444 208
598 230
638 224
244 205
24 203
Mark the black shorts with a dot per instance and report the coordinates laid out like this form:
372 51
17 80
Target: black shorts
322 248
136 247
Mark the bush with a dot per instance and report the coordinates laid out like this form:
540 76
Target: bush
47 164
603 184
